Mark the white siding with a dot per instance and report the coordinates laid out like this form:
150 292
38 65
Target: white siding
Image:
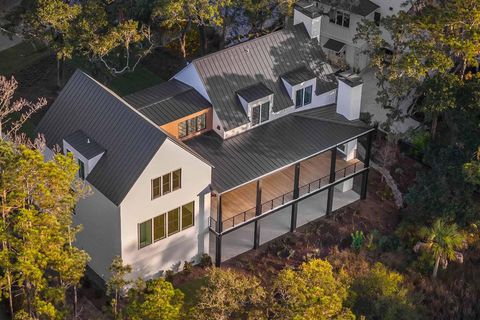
190 76
138 207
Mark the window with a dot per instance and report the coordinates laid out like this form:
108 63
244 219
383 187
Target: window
376 18
260 113
173 221
145 233
192 125
303 97
81 170
341 18
176 179
255 115
187 215
156 188
166 186
159 227
265 111
201 122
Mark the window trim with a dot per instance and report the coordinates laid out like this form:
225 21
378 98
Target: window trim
159 187
260 105
139 234
164 227
195 121
180 180
169 174
193 215
334 18
303 100
179 221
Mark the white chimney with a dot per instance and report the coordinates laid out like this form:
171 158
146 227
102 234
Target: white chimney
309 15
349 95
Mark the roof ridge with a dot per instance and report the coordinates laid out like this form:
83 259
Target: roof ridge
165 99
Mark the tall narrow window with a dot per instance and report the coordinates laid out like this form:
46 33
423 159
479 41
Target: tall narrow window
176 179
173 221
159 227
308 96
376 18
191 125
156 188
187 215
299 98
182 129
255 115
201 122
81 169
166 183
145 233
265 111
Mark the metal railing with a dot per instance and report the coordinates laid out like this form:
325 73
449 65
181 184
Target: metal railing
286 197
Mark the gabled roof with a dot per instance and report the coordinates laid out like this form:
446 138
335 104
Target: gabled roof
334 45
129 139
360 7
168 101
274 145
254 92
84 144
298 75
264 60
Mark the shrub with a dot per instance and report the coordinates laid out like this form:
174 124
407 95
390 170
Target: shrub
169 275
357 240
205 261
187 267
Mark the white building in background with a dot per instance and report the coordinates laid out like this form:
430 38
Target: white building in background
176 170
336 26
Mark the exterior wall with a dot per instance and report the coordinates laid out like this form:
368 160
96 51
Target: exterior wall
189 75
172 127
100 236
313 26
137 207
349 100
217 126
88 163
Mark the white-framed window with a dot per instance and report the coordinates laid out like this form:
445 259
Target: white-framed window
303 96
260 113
166 183
341 18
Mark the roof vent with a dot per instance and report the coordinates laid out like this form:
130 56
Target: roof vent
246 50
88 140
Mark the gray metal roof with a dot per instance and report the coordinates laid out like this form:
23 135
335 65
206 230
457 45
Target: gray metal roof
272 146
264 60
168 101
298 75
84 144
313 10
254 92
334 45
326 84
130 140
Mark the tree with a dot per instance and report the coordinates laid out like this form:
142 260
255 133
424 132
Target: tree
229 294
472 169
117 283
154 300
443 240
311 292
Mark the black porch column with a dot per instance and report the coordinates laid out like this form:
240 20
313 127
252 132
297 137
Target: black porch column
218 240
258 211
331 190
296 182
368 152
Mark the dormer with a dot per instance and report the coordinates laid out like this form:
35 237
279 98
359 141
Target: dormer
300 84
257 101
85 150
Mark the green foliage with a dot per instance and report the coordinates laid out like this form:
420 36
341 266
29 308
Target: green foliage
187 267
154 300
358 239
229 295
420 141
117 283
381 294
312 292
472 169
205 260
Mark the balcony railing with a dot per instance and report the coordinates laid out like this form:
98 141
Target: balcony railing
286 197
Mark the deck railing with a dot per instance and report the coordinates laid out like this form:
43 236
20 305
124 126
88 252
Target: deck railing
286 197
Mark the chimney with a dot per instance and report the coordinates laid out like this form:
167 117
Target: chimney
310 15
349 95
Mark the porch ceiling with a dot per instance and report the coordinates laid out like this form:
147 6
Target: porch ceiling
273 146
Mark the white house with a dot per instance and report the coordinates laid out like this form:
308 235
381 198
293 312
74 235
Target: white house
334 23
246 136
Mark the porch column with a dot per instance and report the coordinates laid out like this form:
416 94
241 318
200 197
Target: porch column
331 189
368 152
258 211
296 182
218 240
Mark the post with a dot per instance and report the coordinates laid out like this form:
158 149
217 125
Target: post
296 183
258 211
331 189
218 240
368 151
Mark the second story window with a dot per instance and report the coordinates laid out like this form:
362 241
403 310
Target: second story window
166 183
192 125
341 18
303 97
260 113
81 169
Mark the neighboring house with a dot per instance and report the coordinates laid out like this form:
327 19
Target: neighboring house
336 26
262 133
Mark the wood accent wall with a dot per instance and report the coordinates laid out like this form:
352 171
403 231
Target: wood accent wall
172 127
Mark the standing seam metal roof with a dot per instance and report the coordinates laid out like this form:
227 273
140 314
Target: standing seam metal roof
254 92
84 144
264 60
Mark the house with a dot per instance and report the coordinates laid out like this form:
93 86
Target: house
239 147
334 23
